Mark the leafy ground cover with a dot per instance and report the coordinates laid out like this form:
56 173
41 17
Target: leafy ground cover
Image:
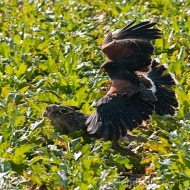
50 53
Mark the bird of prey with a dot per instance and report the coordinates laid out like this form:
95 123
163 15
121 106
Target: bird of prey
139 86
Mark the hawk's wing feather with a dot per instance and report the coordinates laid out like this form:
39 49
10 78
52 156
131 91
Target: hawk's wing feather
142 30
107 39
127 28
117 123
158 75
117 116
139 111
93 121
125 116
131 40
130 24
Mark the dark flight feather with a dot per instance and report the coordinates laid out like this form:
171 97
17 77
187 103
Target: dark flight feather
127 114
130 41
166 98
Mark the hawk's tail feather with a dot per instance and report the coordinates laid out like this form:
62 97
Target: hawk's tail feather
158 75
166 101
166 79
166 98
167 94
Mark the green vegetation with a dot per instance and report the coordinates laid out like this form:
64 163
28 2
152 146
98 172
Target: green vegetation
50 53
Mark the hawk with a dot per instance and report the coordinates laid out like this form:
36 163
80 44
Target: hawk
139 87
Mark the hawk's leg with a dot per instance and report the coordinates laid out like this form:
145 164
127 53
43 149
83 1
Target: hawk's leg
124 151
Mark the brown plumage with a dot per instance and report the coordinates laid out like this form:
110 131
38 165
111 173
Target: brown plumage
128 103
134 63
131 99
132 42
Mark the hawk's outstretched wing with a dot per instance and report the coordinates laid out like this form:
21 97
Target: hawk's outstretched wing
118 115
131 40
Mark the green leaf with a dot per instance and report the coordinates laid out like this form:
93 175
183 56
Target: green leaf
38 124
4 50
63 179
50 64
4 167
21 70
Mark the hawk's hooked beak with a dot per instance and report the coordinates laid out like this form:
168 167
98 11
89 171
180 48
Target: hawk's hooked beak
101 70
